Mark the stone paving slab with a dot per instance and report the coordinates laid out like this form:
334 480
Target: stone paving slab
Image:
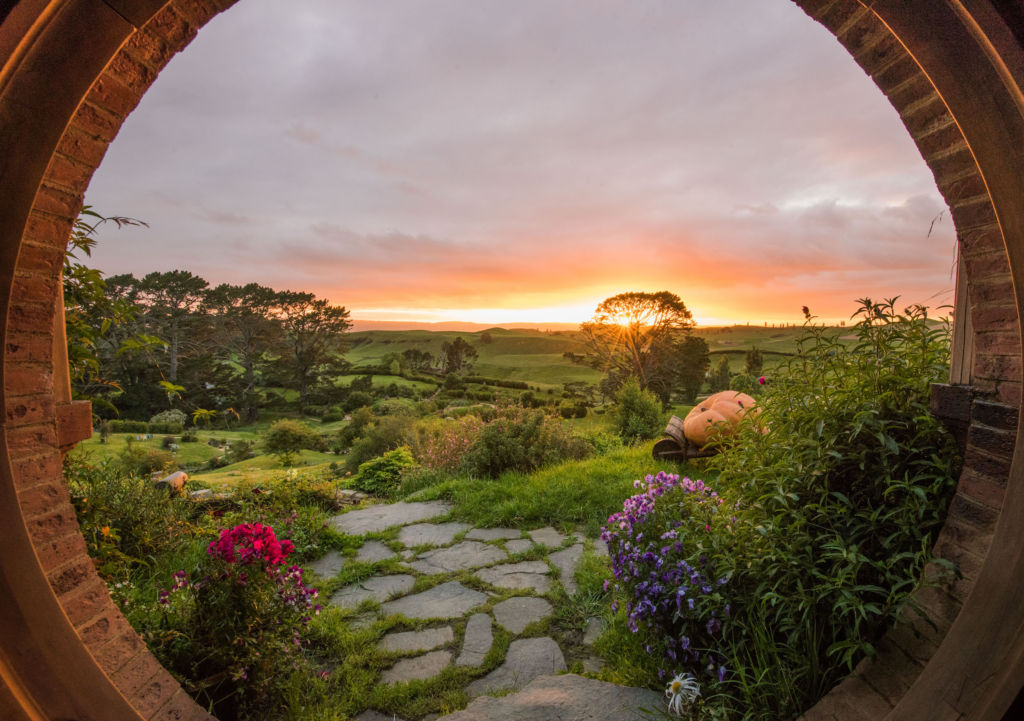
448 600
566 562
515 614
425 640
430 534
460 557
477 642
493 534
526 659
412 669
531 575
328 565
600 547
519 545
377 588
547 536
377 518
564 697
593 631
373 551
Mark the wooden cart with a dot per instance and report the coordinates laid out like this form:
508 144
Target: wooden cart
676 447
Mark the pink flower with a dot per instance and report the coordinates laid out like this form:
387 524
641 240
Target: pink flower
761 381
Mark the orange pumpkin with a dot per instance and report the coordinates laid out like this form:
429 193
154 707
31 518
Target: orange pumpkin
704 425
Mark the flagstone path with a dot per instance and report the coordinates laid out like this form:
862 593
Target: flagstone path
429 551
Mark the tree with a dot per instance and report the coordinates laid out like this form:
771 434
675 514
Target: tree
314 338
171 302
638 335
754 362
417 359
719 380
638 413
246 332
691 362
458 356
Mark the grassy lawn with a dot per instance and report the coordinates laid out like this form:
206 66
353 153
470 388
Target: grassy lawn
262 468
574 493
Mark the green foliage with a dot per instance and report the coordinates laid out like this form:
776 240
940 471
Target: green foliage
719 379
287 437
638 414
836 509
382 476
376 439
754 362
691 361
126 521
521 439
143 461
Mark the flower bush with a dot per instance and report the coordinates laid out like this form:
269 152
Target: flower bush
670 548
231 628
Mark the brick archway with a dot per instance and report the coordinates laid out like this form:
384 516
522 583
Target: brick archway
72 70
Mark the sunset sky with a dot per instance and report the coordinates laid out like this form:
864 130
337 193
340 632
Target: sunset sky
490 161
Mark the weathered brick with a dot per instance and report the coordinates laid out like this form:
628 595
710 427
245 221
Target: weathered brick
97 122
181 707
28 348
858 700
43 467
982 489
993 441
156 692
27 379
48 526
1010 392
970 512
967 563
938 604
991 317
859 37
58 551
87 601
978 241
880 54
129 679
953 167
997 366
995 288
196 12
36 288
111 95
995 415
24 441
974 212
926 116
131 73
174 29
149 48
976 540
891 672
29 409
84 148
122 648
918 646
46 229
840 15
915 88
941 142
67 578
37 258
994 467
31 318
904 69
63 173
58 201
42 498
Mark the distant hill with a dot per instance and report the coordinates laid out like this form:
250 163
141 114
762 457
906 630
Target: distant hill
453 325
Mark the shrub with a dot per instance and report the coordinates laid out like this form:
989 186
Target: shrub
382 476
136 460
357 399
361 418
232 626
835 512
286 437
638 413
385 435
171 417
333 414
523 440
125 520
121 426
442 445
239 450
570 408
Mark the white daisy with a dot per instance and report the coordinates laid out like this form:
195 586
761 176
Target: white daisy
681 692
